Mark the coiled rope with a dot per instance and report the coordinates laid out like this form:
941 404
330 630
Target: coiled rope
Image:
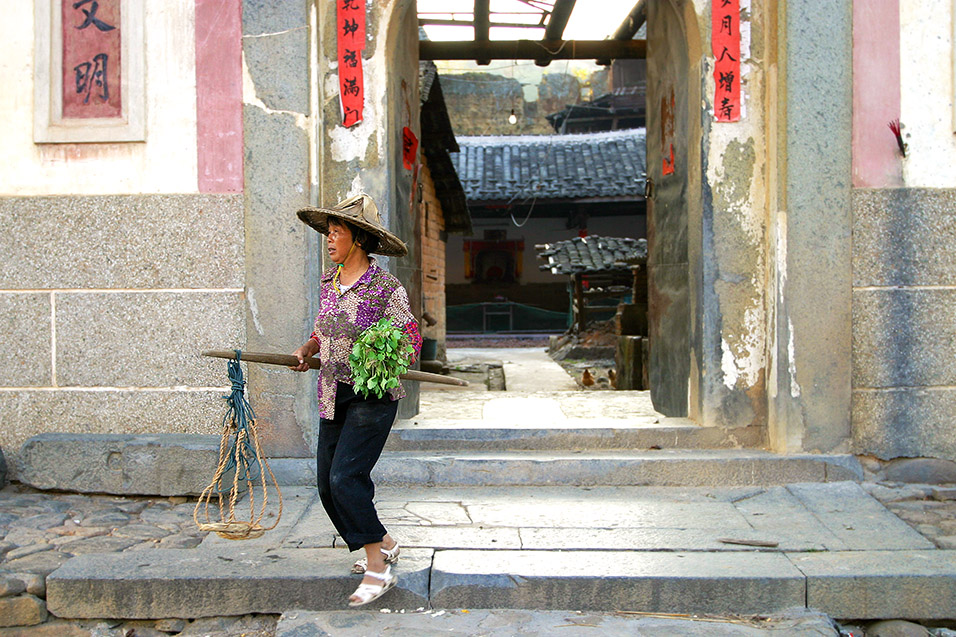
241 464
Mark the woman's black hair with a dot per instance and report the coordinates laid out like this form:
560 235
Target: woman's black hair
365 239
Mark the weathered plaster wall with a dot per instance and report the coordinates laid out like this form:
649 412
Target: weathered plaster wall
730 310
904 233
367 156
404 109
165 163
279 249
810 229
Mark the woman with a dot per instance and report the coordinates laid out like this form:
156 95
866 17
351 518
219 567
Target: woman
355 294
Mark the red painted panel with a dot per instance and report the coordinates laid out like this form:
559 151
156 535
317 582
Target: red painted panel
91 59
219 95
876 93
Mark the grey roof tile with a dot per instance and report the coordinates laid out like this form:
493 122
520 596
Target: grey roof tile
607 164
592 254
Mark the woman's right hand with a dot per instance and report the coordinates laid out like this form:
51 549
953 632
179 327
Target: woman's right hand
307 351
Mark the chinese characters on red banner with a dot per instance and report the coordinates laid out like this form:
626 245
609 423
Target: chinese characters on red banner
725 26
350 19
91 58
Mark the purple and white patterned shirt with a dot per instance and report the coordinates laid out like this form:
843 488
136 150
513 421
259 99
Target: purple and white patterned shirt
342 319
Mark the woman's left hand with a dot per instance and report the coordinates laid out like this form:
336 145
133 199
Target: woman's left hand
307 351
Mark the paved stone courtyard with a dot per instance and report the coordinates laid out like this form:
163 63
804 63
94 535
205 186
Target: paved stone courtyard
702 552
41 531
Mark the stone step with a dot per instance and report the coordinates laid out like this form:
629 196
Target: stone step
233 581
179 465
708 467
578 434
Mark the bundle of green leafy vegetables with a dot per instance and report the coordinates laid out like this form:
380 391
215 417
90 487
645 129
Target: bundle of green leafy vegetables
379 356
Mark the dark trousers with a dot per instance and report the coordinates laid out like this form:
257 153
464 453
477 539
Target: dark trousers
349 446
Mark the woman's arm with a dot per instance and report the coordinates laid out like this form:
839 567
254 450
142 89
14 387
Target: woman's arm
309 349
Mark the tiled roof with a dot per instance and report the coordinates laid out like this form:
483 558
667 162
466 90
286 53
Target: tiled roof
592 254
519 167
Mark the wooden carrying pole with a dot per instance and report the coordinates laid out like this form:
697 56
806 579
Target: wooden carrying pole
287 360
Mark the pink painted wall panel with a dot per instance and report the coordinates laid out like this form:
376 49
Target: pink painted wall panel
219 94
876 93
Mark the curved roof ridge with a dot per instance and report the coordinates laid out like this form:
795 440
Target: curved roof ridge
513 140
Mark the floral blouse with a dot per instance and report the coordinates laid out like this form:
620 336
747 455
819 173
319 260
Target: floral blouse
342 319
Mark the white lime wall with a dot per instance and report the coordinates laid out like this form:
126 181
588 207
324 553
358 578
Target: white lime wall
927 58
164 163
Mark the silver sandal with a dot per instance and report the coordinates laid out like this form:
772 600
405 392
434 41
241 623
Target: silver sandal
391 557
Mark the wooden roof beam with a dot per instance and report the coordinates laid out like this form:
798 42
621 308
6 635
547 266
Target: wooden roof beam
629 27
482 17
539 50
559 19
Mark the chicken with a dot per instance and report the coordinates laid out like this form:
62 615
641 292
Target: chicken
612 376
586 378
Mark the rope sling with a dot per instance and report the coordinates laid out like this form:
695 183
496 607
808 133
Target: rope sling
241 464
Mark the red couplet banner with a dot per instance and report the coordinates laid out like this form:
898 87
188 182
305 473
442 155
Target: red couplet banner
725 35
350 19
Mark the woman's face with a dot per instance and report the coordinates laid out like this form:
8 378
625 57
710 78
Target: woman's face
339 241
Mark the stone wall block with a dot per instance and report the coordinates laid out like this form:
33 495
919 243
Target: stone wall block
146 339
905 422
25 346
904 236
27 413
159 464
136 241
904 338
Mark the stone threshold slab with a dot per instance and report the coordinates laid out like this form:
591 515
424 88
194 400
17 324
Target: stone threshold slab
881 584
693 583
577 434
711 467
191 583
201 583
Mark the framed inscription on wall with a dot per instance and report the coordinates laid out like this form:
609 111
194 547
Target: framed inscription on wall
89 73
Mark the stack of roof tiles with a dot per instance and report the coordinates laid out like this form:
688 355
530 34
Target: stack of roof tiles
522 167
592 254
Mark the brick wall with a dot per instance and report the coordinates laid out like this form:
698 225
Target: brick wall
432 232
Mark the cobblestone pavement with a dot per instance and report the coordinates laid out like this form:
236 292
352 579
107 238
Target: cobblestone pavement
39 531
